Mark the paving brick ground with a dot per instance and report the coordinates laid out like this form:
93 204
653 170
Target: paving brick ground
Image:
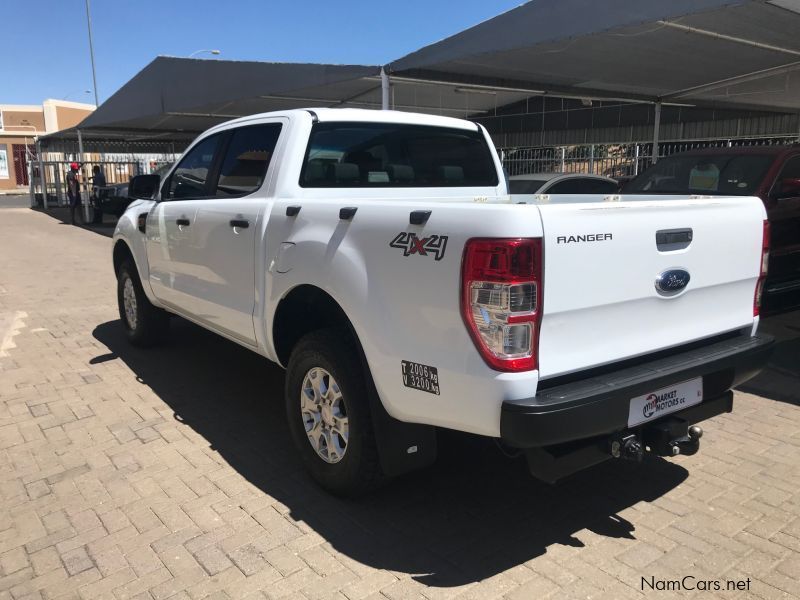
169 474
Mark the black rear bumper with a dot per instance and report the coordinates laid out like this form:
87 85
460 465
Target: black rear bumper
599 405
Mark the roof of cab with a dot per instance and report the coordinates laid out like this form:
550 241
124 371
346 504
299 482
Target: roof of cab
361 115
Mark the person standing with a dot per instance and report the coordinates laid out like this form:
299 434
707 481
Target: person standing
98 192
73 190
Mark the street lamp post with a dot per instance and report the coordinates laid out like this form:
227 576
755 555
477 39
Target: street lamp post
196 52
91 52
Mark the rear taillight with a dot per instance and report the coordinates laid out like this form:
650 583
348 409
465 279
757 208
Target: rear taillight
762 276
501 300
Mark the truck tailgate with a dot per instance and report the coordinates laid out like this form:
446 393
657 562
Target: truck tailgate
601 303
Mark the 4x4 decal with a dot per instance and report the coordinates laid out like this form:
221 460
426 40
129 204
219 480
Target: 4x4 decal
409 243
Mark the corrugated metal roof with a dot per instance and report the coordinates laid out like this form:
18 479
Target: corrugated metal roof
180 94
743 53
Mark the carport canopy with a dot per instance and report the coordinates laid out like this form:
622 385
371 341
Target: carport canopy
174 95
179 97
712 53
724 53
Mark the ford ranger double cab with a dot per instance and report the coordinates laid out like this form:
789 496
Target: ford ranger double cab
379 258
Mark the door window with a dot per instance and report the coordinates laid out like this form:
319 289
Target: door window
583 185
246 159
190 177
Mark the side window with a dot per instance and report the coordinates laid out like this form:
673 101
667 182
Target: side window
579 185
568 186
190 177
600 186
791 170
246 159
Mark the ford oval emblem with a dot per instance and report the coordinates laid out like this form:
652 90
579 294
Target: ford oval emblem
672 281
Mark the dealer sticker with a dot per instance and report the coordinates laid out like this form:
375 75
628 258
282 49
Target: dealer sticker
420 377
664 401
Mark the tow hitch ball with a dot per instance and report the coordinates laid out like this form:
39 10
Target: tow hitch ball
668 438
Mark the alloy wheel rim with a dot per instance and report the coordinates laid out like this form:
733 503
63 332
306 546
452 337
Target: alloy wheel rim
324 415
129 302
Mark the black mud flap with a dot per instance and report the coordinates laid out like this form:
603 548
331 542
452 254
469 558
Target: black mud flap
402 447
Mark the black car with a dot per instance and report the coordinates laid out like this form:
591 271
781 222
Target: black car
116 197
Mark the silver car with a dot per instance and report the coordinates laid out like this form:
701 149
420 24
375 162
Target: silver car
561 183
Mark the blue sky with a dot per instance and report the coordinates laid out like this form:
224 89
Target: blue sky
47 51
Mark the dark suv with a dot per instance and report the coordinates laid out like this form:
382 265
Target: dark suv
770 172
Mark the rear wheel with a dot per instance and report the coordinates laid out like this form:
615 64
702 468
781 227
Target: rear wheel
327 406
144 323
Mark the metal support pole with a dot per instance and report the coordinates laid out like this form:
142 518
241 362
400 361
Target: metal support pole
84 180
31 190
59 188
656 127
42 178
591 159
30 175
91 52
384 90
636 160
563 152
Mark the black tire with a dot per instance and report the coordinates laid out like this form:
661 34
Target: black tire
335 351
150 324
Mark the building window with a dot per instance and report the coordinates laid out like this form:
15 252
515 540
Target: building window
3 162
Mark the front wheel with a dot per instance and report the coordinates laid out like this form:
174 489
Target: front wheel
327 406
144 323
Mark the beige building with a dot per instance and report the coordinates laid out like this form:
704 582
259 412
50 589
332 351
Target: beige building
20 124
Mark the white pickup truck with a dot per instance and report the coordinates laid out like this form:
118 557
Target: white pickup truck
379 258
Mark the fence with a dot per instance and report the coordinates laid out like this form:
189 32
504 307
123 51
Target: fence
612 160
54 185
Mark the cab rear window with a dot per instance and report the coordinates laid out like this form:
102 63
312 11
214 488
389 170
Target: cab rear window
358 155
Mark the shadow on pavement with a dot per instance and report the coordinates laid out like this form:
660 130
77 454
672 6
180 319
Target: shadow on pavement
474 514
781 379
61 214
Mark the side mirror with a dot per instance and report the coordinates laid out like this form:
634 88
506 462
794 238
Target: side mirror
787 188
143 187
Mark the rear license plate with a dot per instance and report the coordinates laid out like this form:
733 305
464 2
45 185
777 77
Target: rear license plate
664 401
420 377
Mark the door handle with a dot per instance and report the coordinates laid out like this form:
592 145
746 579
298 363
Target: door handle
673 239
240 223
183 222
